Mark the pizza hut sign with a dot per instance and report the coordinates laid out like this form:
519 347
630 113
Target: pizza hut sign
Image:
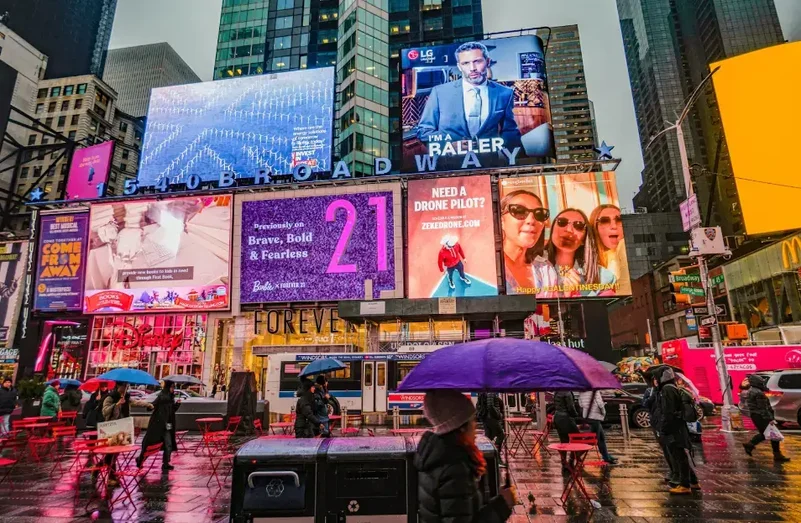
128 337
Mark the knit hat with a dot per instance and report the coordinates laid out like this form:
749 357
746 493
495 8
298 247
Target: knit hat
447 410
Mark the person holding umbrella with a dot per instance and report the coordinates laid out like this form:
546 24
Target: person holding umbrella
71 399
450 465
93 410
321 398
161 428
306 422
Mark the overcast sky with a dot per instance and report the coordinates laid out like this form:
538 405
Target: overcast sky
190 26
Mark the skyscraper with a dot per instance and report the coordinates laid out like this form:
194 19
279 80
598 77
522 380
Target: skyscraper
571 110
73 34
134 71
669 45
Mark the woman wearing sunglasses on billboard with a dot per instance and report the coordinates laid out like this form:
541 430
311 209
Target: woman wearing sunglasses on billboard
605 220
523 220
572 260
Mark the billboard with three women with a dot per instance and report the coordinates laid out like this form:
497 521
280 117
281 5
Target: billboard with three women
563 236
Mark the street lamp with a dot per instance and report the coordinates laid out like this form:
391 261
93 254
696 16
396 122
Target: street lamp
729 407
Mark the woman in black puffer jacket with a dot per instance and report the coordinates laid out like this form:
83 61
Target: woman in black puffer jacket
564 419
450 466
306 423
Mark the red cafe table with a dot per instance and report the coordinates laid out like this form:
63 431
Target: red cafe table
518 426
116 451
579 451
204 424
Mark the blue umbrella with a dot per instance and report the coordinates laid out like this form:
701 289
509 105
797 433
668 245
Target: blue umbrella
322 366
132 376
64 382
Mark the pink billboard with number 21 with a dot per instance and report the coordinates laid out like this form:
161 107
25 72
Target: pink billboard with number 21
89 170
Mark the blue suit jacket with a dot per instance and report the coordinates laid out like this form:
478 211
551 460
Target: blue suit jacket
444 114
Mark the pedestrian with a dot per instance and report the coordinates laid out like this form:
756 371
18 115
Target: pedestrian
8 402
762 415
321 398
652 400
161 427
489 411
51 402
675 433
117 405
564 419
450 465
306 422
70 399
593 410
93 409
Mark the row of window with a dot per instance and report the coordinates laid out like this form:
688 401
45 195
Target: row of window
240 51
65 106
244 33
68 90
251 15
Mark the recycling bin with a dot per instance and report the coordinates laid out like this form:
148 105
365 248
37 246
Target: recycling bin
277 478
366 481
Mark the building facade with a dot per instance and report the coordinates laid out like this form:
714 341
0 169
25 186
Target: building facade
74 35
652 238
134 71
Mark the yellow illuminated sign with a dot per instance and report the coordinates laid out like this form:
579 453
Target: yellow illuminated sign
758 97
790 250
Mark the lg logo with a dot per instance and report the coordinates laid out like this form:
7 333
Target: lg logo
414 54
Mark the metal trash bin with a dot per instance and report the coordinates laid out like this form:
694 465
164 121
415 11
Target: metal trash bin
366 480
276 478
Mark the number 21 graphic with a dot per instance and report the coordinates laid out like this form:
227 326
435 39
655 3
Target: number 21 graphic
380 204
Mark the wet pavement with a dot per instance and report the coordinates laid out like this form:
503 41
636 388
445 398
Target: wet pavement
734 487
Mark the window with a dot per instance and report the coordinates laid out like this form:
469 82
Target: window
282 42
61 186
64 168
399 6
432 24
283 22
65 105
49 122
69 90
304 62
78 103
399 27
74 119
24 172
285 4
463 20
81 89
37 172
39 108
72 135
32 139
428 5
327 36
55 91
790 381
676 236
645 238
62 120
124 127
125 154
42 93
51 107
280 62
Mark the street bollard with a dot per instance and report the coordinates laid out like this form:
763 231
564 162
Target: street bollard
395 418
624 420
344 418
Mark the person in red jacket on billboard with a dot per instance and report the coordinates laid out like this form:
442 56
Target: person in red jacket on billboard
451 257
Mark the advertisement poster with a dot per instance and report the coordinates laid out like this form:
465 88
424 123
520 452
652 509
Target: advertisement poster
60 271
13 257
318 248
475 104
159 255
117 432
270 122
88 176
563 236
451 246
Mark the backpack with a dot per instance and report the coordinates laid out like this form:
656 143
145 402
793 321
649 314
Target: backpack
687 411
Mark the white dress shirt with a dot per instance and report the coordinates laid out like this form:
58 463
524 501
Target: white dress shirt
469 99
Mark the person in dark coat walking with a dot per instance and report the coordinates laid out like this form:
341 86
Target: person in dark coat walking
564 419
8 402
93 409
652 400
489 412
161 427
71 399
321 398
675 433
306 422
762 415
450 466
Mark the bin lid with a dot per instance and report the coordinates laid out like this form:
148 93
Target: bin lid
367 447
303 450
484 444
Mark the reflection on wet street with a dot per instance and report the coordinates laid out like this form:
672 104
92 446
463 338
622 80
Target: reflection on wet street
735 487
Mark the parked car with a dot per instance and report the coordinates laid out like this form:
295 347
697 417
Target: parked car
704 406
639 416
784 393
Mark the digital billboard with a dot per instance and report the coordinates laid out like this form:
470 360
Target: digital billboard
451 238
13 257
563 236
319 248
270 122
760 130
60 269
475 104
159 255
89 170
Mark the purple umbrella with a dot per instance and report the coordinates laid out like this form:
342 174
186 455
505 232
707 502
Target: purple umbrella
508 365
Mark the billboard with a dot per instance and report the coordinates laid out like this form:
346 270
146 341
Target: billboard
475 104
317 248
159 255
563 236
758 152
60 270
451 238
270 122
89 170
13 257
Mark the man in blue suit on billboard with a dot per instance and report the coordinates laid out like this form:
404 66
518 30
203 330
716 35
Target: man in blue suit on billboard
472 107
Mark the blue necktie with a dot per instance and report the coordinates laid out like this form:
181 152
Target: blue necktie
474 118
